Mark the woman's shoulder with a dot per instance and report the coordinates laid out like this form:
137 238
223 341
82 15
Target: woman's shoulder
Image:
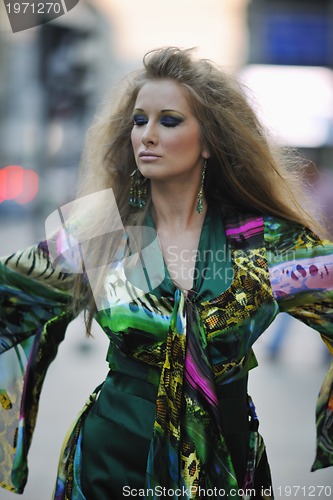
242 226
268 230
278 227
283 236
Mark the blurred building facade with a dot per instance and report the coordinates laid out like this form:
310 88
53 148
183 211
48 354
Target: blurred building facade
290 66
52 79
299 35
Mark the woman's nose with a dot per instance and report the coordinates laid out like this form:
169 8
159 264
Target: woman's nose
149 135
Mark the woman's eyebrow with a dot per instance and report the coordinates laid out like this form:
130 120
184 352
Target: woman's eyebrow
172 111
163 111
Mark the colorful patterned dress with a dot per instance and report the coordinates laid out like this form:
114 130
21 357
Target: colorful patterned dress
173 418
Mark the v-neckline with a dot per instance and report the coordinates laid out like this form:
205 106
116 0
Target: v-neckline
206 293
173 283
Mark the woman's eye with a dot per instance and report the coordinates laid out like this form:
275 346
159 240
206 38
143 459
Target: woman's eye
140 120
170 121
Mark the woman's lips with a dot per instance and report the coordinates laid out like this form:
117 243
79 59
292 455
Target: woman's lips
148 156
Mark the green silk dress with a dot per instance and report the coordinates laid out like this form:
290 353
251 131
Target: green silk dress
126 407
173 418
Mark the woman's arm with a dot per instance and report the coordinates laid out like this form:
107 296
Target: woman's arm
35 309
301 271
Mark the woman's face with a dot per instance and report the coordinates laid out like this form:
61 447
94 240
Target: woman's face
166 136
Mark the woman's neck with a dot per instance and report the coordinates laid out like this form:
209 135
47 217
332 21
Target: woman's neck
175 206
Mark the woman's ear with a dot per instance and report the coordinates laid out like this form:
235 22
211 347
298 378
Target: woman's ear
205 153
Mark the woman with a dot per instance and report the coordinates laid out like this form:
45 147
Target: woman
187 158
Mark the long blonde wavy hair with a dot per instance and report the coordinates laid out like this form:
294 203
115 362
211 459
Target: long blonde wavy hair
245 171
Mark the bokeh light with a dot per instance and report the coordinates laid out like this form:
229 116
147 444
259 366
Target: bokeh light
18 184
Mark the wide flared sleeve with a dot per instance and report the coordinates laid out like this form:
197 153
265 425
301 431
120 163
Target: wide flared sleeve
34 313
301 271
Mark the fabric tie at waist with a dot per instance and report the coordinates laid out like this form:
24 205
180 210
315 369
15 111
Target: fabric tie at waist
188 450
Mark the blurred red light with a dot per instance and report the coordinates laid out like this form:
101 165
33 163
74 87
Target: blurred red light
30 187
18 184
14 181
3 185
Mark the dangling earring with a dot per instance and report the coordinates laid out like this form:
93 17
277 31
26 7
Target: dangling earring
138 190
200 194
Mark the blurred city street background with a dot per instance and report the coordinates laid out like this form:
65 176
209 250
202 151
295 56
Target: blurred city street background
54 78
